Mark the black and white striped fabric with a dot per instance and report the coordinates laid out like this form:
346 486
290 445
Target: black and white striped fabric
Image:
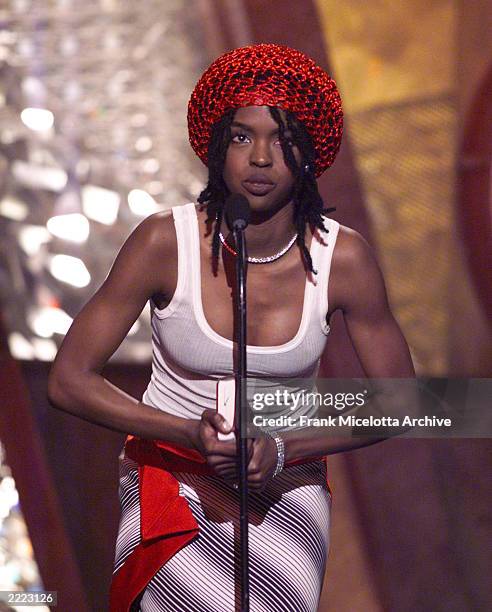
288 543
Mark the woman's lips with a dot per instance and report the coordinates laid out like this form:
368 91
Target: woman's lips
258 188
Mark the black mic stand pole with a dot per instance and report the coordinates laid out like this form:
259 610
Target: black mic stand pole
241 371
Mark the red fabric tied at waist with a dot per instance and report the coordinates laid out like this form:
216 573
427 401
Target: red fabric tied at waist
166 521
159 489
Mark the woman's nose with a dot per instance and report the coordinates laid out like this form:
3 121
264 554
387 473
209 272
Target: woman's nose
260 155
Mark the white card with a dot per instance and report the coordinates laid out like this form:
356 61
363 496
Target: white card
226 404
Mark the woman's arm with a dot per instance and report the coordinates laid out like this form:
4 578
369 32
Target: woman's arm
75 384
356 287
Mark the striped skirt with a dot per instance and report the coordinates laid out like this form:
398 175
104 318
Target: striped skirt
288 543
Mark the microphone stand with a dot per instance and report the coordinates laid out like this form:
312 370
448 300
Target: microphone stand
242 441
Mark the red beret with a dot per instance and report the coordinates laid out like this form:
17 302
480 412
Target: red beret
268 75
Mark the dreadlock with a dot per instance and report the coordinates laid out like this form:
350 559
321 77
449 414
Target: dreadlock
215 193
308 205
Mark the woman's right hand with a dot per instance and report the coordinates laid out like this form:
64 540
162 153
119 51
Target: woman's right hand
221 456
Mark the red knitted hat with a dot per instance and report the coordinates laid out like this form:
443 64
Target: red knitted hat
270 75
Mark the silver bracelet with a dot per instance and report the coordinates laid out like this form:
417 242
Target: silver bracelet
280 444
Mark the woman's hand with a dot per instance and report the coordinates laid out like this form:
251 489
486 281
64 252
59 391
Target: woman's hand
262 463
221 456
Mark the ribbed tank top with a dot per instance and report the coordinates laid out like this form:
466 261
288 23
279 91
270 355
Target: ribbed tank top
188 356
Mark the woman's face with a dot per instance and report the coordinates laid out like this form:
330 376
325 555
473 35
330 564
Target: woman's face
254 164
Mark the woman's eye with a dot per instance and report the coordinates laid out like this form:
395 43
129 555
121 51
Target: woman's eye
239 137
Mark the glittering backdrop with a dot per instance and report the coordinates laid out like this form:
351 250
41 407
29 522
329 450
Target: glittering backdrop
18 568
93 101
409 195
394 64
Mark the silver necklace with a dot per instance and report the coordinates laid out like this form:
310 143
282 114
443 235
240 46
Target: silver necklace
259 260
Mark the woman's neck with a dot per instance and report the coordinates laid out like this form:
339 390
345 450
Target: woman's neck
268 232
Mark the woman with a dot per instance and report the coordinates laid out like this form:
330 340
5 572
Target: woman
267 121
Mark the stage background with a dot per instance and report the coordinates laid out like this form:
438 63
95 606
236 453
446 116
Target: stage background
411 519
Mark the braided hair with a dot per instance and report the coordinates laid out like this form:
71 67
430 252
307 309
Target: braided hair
308 205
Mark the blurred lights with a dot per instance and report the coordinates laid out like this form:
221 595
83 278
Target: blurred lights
33 89
20 5
150 165
69 131
8 496
100 204
111 41
13 208
18 569
47 321
7 38
82 168
72 91
20 347
22 547
142 203
32 237
196 187
8 136
42 349
73 227
143 144
37 176
141 351
37 119
154 187
138 120
26 48
45 349
109 5
70 270
69 45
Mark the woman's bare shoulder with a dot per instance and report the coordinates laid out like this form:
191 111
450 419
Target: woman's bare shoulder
157 233
352 250
355 272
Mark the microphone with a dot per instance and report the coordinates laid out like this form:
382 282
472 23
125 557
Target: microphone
237 211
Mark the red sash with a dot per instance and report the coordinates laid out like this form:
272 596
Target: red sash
166 521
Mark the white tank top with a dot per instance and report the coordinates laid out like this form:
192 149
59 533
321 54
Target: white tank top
188 356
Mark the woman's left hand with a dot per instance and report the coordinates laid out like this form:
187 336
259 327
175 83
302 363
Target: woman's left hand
262 463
